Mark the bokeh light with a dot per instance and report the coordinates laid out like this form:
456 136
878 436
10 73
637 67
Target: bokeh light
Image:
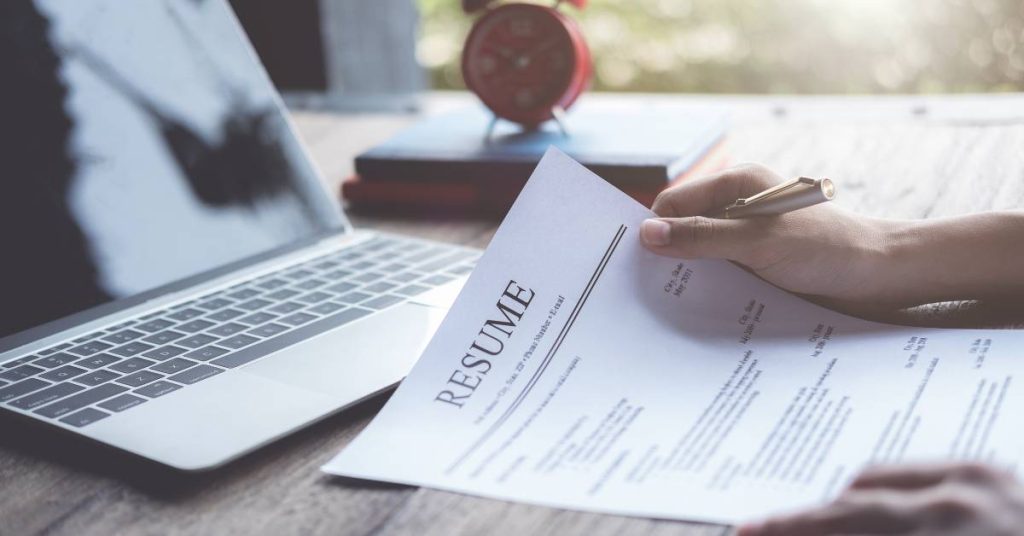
776 46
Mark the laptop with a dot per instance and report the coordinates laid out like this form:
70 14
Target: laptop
177 282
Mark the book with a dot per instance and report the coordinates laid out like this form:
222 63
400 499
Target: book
469 197
635 144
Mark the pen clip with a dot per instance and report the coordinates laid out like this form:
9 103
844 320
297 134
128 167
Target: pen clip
774 190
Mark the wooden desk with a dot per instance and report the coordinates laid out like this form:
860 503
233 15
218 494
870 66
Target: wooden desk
898 157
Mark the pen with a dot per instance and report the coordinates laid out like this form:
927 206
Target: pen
795 194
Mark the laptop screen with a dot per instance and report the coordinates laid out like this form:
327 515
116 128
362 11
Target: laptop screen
145 144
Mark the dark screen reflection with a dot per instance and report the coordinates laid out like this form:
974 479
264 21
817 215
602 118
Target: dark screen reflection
113 187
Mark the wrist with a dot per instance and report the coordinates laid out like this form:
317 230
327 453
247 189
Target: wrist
967 257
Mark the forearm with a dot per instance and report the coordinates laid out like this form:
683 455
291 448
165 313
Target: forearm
979 256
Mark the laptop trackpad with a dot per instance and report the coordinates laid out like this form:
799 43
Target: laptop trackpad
359 359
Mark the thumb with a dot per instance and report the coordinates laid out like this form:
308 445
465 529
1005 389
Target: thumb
699 237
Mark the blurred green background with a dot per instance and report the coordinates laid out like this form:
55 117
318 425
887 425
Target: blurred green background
775 46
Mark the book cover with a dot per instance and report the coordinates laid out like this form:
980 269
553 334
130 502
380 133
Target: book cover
482 198
632 144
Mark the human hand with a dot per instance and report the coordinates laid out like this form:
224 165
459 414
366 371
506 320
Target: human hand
954 499
822 251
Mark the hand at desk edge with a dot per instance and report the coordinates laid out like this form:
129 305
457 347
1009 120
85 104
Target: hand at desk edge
843 260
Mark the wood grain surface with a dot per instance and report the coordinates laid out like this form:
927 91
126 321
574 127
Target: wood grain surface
904 157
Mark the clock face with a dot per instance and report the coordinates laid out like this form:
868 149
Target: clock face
524 59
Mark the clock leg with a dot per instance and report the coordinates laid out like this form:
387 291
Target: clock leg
558 114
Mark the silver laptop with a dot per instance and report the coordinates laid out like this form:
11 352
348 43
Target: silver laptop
176 281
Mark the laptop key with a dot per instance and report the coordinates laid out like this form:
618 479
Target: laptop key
131 365
311 284
214 304
381 302
155 325
257 318
164 352
298 274
88 337
97 361
298 319
45 396
368 277
354 297
122 402
272 284
196 374
267 330
289 338
185 314
164 337
238 341
21 388
84 417
424 255
326 308
96 377
80 400
206 353
380 287
412 290
406 277
342 287
337 274
437 280
90 348
63 373
285 308
140 378
177 364
314 297
156 389
197 340
253 304
131 349
20 361
55 360
227 330
20 373
121 337
243 294
225 314
193 326
282 294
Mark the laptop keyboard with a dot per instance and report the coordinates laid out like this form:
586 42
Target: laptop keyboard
81 381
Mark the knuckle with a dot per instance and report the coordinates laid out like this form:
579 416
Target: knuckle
663 202
954 504
976 472
702 230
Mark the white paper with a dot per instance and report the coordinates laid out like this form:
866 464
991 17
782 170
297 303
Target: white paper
644 385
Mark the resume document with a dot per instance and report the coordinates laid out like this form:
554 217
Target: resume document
579 370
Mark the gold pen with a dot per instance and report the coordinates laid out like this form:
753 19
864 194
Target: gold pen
795 194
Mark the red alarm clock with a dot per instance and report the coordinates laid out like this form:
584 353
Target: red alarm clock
527 62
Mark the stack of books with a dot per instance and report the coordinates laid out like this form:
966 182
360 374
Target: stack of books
450 165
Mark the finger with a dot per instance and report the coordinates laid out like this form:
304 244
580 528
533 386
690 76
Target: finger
700 237
921 475
872 513
714 191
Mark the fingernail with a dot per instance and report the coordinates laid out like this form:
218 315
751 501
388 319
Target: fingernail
655 232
